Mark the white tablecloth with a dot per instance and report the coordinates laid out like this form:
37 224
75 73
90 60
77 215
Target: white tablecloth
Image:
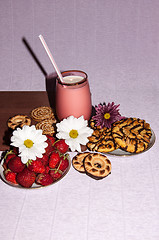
123 205
117 43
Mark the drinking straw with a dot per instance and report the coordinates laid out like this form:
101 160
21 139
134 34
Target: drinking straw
51 57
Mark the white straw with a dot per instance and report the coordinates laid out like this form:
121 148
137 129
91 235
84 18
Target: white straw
51 57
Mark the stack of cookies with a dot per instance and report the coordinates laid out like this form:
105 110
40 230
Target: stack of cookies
129 134
45 119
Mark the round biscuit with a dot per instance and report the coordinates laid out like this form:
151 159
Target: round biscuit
77 161
97 165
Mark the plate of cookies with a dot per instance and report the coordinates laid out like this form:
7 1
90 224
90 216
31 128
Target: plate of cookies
128 136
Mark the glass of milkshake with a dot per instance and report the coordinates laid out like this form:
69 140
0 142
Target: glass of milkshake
73 95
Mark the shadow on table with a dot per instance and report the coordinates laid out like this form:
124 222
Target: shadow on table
50 79
50 82
6 138
32 53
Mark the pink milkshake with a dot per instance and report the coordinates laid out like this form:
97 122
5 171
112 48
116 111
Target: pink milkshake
73 96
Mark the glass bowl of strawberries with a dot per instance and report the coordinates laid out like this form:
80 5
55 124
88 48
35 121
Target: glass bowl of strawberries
52 167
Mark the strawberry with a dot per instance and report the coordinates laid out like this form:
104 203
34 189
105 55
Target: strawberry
15 164
61 146
55 174
36 166
7 157
10 154
64 163
51 139
26 178
47 169
49 148
54 159
44 179
44 159
10 176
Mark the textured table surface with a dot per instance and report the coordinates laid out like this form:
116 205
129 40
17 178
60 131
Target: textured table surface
116 42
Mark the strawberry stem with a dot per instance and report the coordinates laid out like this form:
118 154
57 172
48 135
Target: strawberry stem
55 142
7 153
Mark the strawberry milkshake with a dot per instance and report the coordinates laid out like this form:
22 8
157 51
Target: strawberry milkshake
73 95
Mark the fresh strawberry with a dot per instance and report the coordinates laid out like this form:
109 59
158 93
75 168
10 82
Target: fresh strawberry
51 139
64 163
44 159
55 174
61 146
54 159
10 176
15 164
44 179
10 154
26 178
7 157
47 169
49 148
36 166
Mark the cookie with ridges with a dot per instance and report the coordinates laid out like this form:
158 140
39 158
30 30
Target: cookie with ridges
77 161
41 113
18 121
132 134
46 126
52 118
97 165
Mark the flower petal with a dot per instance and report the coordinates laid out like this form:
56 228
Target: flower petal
73 145
62 135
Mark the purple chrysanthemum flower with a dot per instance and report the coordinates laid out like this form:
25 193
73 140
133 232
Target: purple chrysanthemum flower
107 114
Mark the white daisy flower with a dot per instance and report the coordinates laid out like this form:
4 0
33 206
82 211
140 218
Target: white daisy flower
74 131
30 141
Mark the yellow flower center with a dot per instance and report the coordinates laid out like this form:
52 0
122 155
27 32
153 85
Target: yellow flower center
28 143
106 115
73 133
